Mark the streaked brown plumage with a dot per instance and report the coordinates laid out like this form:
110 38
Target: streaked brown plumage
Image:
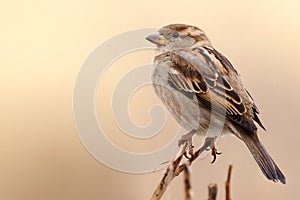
188 66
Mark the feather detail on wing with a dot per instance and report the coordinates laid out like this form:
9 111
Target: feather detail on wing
202 72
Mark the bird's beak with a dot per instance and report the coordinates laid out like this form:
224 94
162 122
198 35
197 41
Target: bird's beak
157 39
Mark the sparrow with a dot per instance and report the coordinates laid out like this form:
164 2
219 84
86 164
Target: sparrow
205 93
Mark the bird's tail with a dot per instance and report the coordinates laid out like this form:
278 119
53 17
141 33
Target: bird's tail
263 159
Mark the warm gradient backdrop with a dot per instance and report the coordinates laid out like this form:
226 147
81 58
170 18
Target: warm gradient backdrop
44 43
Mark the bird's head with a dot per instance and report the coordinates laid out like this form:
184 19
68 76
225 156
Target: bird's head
178 36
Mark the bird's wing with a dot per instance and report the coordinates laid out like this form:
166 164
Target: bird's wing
199 73
225 67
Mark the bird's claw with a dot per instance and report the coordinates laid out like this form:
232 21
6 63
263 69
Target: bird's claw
187 140
214 153
190 157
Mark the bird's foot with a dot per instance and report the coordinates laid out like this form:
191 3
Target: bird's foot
188 139
213 148
214 153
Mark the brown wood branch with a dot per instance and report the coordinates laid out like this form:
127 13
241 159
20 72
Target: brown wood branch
187 183
174 169
227 183
212 191
169 175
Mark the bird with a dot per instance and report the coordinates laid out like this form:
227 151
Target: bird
203 91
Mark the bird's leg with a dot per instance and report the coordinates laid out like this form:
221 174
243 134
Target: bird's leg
188 139
213 148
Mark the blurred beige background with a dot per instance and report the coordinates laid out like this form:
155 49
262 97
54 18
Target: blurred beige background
44 43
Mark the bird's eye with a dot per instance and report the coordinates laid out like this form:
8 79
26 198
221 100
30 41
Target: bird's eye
175 35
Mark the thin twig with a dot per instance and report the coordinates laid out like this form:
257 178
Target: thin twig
227 183
175 169
187 183
168 175
212 191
